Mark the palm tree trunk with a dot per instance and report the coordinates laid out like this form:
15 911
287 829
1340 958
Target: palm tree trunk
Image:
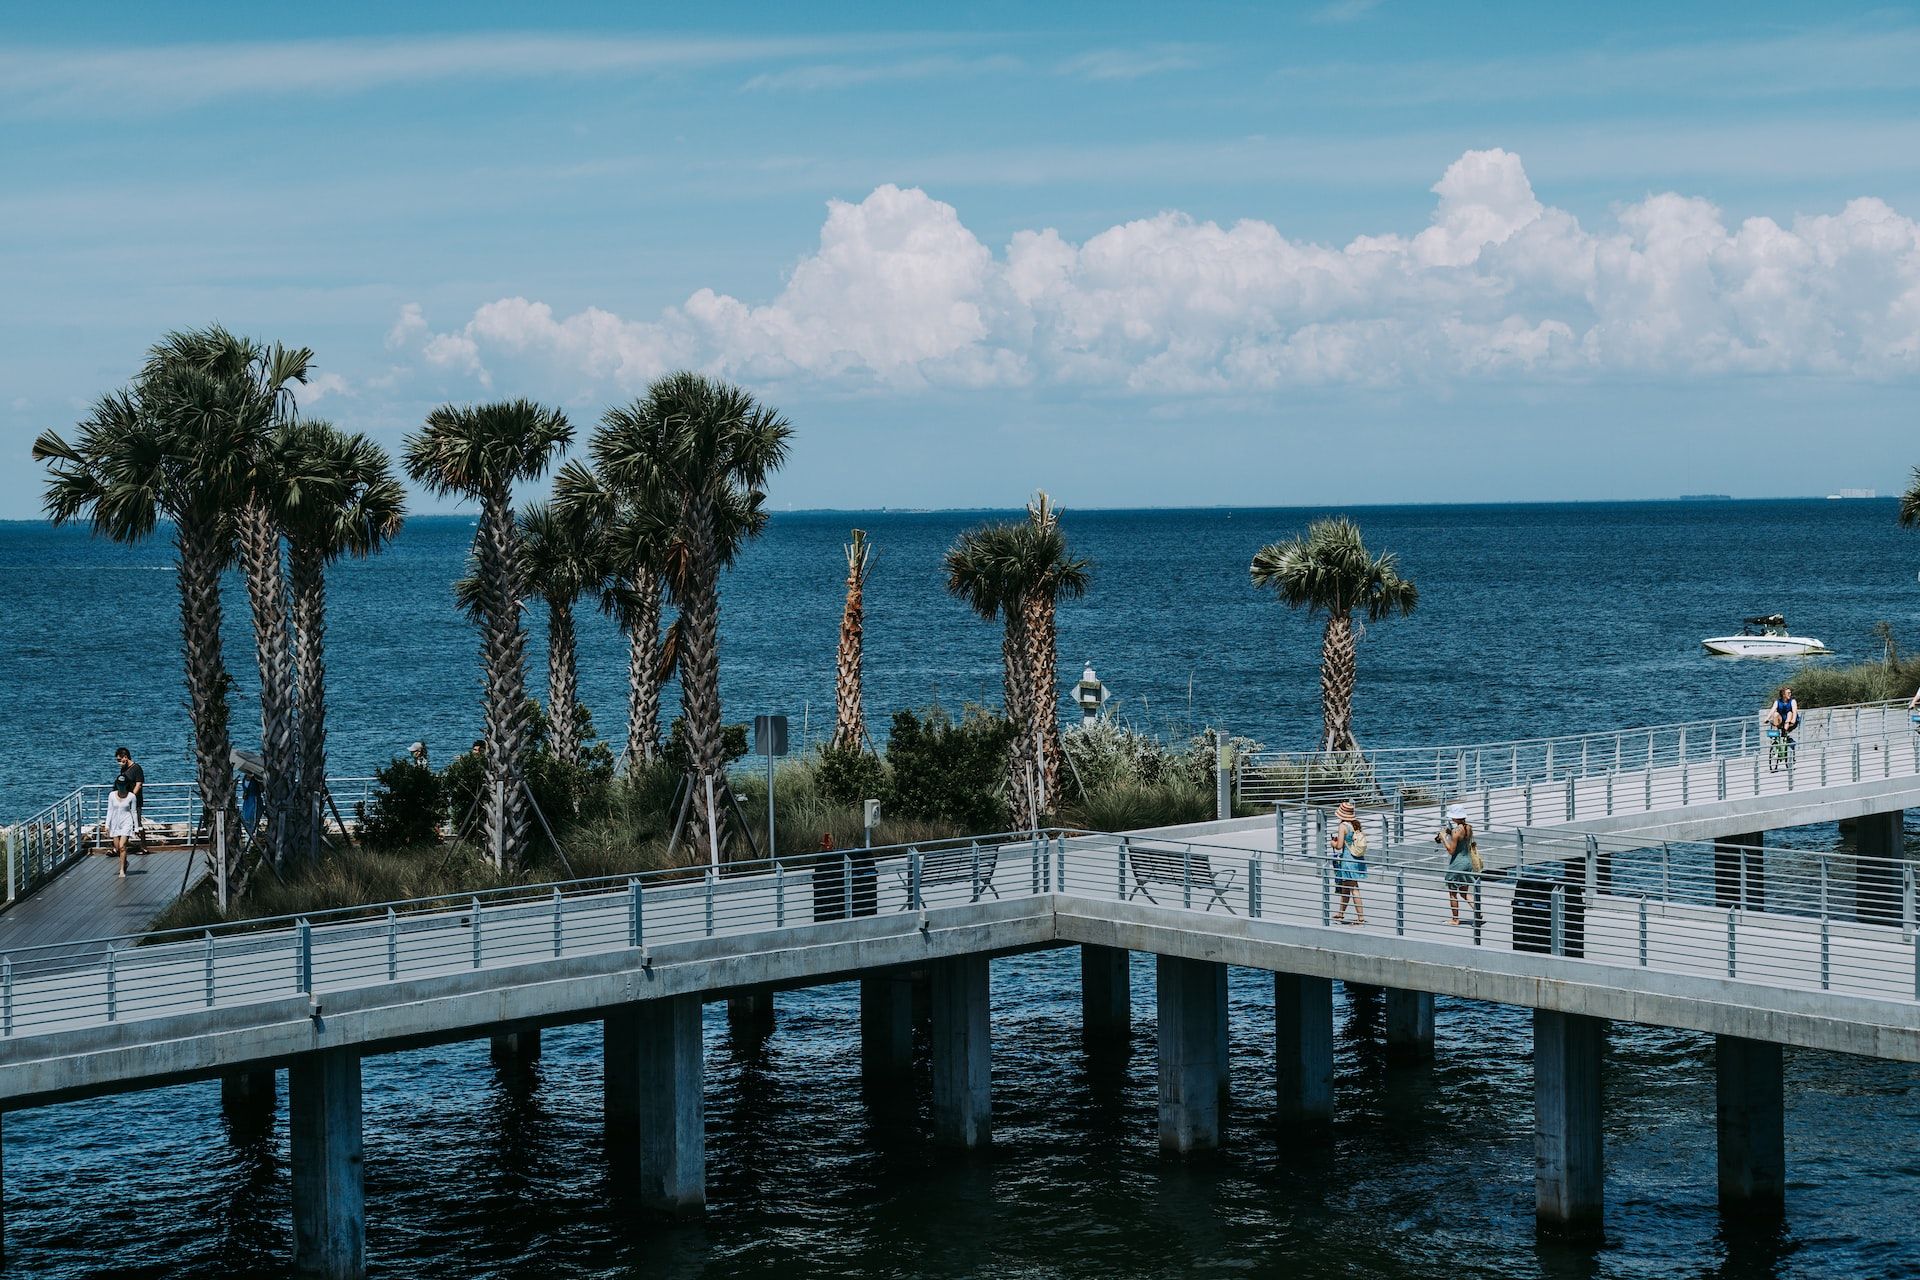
700 664
643 674
496 551
563 685
198 576
1336 684
307 574
1043 707
1017 693
267 599
849 724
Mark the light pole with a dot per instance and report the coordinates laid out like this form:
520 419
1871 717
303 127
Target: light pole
1091 695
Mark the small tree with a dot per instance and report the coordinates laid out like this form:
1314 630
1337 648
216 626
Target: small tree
849 725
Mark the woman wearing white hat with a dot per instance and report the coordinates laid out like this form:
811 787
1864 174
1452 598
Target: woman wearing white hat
1463 856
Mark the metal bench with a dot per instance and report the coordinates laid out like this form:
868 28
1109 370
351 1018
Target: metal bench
1185 868
951 864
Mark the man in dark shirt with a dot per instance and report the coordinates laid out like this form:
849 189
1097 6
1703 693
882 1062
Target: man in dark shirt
136 779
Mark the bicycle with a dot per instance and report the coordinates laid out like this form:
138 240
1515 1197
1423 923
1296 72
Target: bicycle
1780 749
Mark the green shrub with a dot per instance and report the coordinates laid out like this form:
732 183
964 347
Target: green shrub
848 775
733 745
405 808
1130 806
1826 686
948 771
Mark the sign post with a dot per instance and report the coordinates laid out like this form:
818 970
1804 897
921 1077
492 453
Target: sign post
770 740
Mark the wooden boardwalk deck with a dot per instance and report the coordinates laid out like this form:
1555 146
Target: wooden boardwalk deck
89 900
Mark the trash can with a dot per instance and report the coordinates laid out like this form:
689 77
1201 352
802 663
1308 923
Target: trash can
830 887
1533 910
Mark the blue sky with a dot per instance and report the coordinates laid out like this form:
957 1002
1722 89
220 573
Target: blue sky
1339 252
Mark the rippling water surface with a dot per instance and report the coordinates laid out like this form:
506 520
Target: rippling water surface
1534 619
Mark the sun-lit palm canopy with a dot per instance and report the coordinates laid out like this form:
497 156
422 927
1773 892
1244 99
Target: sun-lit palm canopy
475 449
1329 570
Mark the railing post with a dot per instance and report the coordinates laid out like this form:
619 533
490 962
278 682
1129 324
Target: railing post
1253 887
1722 787
393 945
1520 848
1609 795
13 891
1647 777
1593 868
846 886
1557 920
303 945
1643 931
1399 815
635 919
1400 903
1856 759
1732 915
1906 900
113 985
709 878
559 944
1823 764
1686 777
1060 864
1119 870
1528 792
914 900
779 895
475 908
1570 797
206 953
1186 876
220 858
1666 872
6 995
1486 810
1326 894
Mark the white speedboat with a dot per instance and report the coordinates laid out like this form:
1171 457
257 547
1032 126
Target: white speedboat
1764 637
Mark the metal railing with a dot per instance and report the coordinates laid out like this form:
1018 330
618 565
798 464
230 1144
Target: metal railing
42 845
76 984
1592 775
1821 928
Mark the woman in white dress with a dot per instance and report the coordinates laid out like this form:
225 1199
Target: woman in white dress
122 824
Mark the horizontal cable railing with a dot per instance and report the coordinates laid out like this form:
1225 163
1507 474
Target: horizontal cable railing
39 847
69 985
1428 774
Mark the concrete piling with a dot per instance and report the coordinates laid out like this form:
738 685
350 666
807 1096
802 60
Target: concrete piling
1879 840
962 1052
1750 1111
1740 871
620 1089
1409 1026
670 1106
248 1099
750 1015
1568 1173
1192 997
515 1051
329 1194
1303 1050
886 1029
1106 997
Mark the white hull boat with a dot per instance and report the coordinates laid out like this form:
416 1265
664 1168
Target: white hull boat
1764 637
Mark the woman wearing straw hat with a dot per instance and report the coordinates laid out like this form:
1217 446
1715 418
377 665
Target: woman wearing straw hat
1349 845
1462 854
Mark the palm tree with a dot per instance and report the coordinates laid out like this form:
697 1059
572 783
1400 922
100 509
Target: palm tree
480 452
1910 503
849 725
1330 571
564 556
220 382
982 568
355 510
1047 573
705 448
125 472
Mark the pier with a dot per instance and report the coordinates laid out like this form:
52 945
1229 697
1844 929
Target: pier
1674 911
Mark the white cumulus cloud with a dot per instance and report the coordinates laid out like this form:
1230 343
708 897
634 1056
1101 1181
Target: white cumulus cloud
900 293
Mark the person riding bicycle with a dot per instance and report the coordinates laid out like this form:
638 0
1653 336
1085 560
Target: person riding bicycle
1785 715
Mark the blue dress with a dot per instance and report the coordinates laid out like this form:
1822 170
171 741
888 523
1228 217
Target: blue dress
1350 867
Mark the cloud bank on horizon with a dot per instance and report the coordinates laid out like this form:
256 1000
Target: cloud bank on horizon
900 294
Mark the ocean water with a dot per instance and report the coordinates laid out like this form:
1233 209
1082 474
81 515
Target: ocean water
1534 619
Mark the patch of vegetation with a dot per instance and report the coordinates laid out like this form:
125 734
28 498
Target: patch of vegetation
950 771
405 808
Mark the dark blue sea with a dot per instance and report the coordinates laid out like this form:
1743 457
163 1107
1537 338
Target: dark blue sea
1534 619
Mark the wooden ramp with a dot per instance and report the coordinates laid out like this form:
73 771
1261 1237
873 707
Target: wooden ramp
88 900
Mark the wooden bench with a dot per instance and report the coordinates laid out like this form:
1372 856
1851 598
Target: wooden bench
952 864
1184 869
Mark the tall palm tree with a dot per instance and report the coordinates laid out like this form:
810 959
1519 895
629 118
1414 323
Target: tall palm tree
124 472
481 452
221 382
849 725
705 447
983 570
636 531
1330 571
1047 573
564 555
1910 503
355 510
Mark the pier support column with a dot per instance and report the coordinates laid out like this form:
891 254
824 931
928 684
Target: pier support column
514 1052
248 1098
620 1089
1303 1049
1879 840
962 1052
1193 1019
886 1029
750 1015
1106 997
671 1106
1409 1026
329 1196
1750 1108
1568 1174
1733 856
